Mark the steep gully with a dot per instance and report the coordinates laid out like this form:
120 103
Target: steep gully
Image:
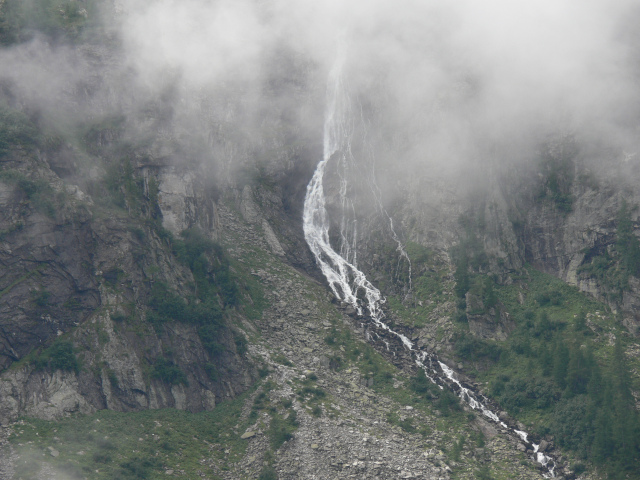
340 269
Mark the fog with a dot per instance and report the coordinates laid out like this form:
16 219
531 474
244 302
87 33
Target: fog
439 83
445 77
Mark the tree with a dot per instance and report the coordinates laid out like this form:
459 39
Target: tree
560 363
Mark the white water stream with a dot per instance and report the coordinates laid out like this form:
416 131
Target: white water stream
347 282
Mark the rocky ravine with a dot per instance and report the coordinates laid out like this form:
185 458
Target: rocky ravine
353 438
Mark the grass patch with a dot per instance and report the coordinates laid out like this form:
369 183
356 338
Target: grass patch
133 445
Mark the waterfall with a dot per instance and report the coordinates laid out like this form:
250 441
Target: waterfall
347 282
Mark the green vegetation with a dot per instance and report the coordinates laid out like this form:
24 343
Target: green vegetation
38 191
210 266
282 424
443 399
268 473
115 445
120 187
165 370
281 429
430 285
380 376
613 267
471 348
457 448
216 292
16 131
96 133
41 298
59 356
483 473
558 178
166 306
250 294
16 227
552 372
348 349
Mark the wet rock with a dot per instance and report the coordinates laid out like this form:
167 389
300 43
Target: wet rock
351 311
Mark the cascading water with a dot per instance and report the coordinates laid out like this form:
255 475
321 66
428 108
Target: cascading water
347 282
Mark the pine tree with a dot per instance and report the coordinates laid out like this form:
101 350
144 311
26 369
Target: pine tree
560 363
624 415
546 359
602 446
580 323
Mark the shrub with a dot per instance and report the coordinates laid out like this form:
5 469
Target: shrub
447 402
457 448
579 468
112 277
168 372
166 306
62 357
138 233
41 298
627 244
241 343
461 317
268 473
212 371
281 429
335 362
209 337
113 379
209 265
483 473
59 356
557 179
102 457
420 383
138 468
471 348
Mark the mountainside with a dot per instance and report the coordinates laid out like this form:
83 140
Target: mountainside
164 310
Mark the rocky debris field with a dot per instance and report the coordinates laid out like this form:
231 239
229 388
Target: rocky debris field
351 436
